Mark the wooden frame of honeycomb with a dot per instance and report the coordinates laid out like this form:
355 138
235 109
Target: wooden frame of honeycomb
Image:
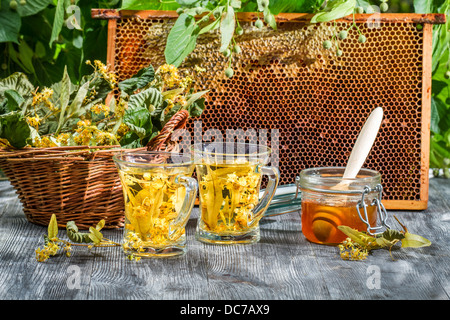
286 81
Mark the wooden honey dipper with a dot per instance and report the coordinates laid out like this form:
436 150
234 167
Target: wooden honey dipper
325 223
361 149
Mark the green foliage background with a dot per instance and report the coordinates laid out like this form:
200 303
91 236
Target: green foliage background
42 37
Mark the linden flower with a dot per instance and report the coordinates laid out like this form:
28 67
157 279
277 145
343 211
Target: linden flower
120 108
83 137
82 124
251 198
47 92
242 182
104 138
42 96
100 108
169 74
232 177
34 121
123 129
63 138
84 132
199 69
68 249
133 241
243 215
49 250
186 82
45 142
109 76
352 251
41 255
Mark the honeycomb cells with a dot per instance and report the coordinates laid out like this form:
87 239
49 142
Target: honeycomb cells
316 102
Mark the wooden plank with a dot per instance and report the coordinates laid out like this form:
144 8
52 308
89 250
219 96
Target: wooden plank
111 44
426 110
406 204
282 266
433 18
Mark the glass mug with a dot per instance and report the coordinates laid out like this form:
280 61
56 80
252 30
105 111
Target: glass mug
229 178
159 194
329 201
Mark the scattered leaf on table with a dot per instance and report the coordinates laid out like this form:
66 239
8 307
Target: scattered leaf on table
52 227
95 235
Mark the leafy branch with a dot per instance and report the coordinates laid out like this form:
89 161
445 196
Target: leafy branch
54 244
359 244
198 17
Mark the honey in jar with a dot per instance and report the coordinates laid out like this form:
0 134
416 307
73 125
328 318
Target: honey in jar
320 221
324 207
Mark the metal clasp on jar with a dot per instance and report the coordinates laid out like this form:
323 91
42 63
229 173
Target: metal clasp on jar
382 214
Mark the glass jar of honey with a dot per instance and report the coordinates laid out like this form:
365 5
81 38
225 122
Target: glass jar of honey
329 201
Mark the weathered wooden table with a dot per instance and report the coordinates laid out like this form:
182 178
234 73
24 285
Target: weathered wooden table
282 266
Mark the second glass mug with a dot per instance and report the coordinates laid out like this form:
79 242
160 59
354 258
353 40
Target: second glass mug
159 194
229 177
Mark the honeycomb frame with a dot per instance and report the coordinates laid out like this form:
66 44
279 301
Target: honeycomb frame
317 102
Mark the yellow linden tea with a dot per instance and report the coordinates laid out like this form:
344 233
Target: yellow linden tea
228 194
158 201
229 188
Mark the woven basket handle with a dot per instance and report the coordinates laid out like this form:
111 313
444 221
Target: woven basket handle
163 142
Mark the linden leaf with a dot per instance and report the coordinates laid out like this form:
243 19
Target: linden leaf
181 40
383 242
227 27
355 235
414 241
391 235
74 235
52 227
334 10
100 225
95 235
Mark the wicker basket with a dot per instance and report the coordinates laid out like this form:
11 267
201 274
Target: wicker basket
74 183
78 184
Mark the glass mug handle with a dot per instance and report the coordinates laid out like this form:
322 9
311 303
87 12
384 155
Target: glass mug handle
274 177
191 186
